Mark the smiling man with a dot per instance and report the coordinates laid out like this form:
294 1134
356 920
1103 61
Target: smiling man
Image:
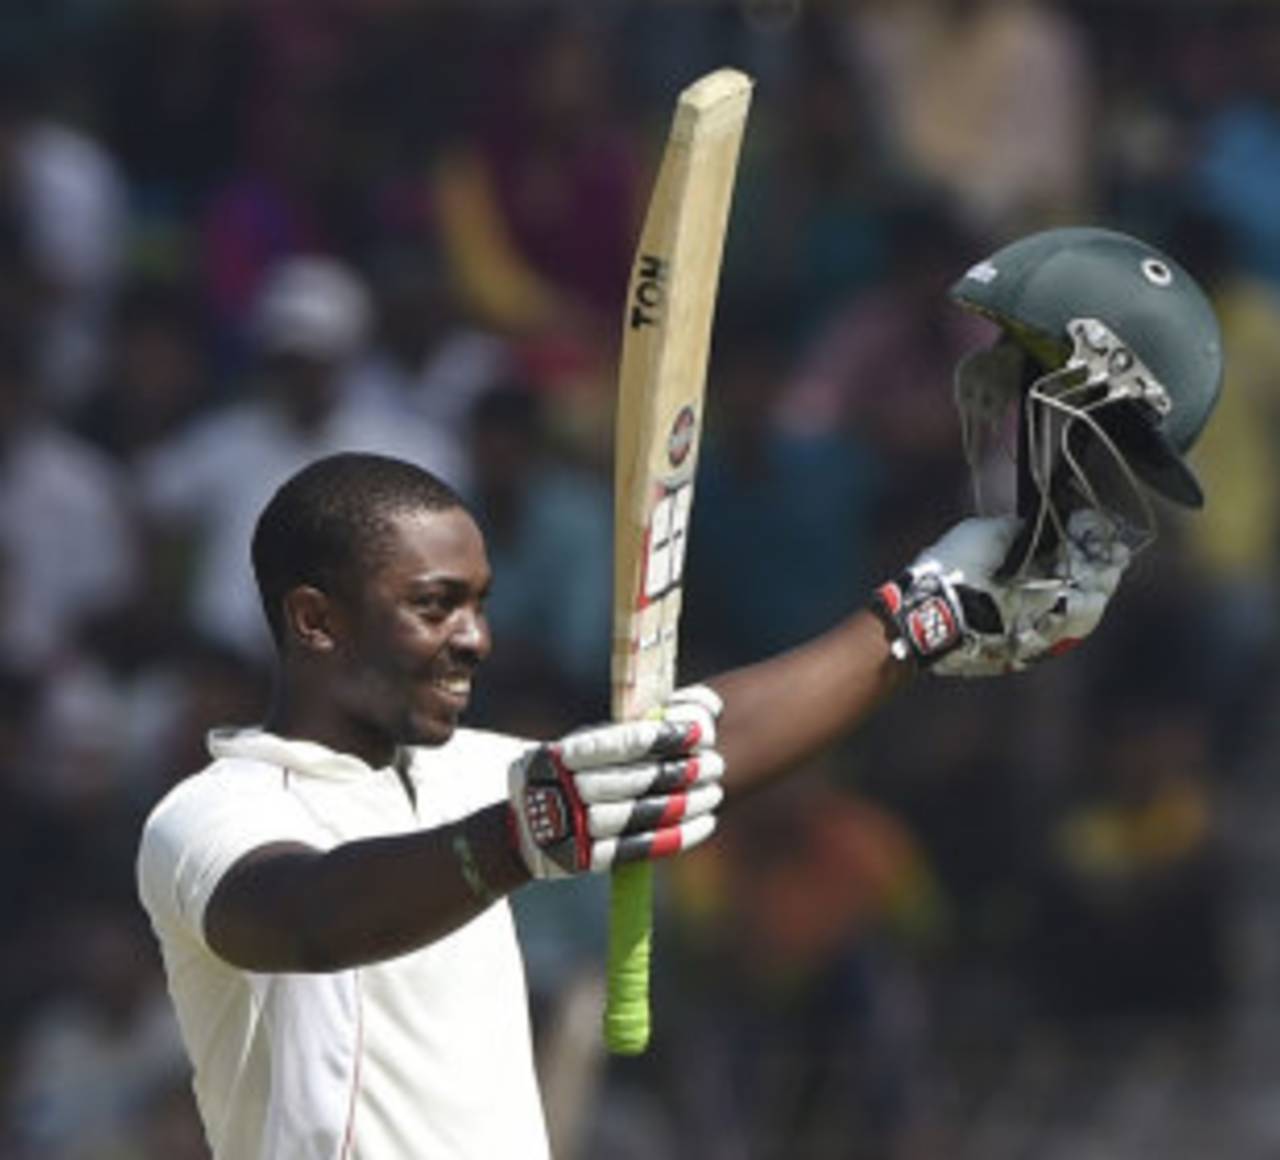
330 892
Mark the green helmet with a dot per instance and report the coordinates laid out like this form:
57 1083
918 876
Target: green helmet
1115 330
1113 358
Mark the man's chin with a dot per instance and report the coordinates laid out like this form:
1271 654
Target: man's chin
435 729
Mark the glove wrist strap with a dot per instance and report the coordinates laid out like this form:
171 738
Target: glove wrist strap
922 616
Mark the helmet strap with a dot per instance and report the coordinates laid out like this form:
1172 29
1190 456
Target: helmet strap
987 384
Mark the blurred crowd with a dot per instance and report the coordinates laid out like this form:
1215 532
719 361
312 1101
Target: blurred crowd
1036 917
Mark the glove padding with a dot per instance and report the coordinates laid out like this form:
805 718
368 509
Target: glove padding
950 612
620 793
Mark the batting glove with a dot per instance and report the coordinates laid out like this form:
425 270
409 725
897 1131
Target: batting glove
950 613
620 793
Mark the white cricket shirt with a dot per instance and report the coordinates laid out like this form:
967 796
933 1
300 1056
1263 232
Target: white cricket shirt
420 1057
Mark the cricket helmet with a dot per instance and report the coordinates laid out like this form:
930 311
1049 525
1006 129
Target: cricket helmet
1112 352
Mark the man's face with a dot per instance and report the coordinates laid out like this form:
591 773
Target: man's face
416 630
304 386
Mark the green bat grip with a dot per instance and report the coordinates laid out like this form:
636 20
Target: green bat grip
626 1012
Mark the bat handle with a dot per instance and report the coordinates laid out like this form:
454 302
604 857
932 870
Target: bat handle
626 1013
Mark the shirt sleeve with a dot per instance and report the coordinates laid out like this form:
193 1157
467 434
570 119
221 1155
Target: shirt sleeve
206 825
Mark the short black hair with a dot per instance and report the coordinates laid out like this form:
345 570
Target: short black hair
332 517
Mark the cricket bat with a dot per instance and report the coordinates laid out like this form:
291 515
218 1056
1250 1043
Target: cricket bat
666 341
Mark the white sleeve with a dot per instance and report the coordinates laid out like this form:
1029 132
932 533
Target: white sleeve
206 825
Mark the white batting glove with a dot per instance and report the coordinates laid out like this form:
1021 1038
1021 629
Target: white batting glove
952 615
620 793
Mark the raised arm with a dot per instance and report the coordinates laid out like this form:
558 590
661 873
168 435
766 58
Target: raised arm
782 710
950 611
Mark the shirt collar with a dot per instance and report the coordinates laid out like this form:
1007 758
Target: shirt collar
306 757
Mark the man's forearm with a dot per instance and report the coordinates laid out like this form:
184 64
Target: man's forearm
782 710
399 893
288 909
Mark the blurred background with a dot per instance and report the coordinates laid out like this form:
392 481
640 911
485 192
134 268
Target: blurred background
1037 917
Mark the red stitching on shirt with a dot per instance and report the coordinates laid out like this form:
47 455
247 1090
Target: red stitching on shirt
349 1135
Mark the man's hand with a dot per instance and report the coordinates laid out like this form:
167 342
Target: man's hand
620 793
952 615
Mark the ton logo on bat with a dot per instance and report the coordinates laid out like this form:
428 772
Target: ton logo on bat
651 292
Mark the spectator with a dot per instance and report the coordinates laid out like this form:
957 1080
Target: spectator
1237 552
549 532
792 509
1237 163
90 1063
880 368
812 167
55 491
176 97
212 477
1131 913
425 352
540 211
298 191
156 374
69 195
989 99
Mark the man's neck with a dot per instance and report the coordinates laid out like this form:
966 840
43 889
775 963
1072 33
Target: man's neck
288 718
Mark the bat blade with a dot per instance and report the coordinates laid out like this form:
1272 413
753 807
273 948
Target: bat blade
666 344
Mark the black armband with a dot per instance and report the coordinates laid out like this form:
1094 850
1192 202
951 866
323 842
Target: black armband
470 869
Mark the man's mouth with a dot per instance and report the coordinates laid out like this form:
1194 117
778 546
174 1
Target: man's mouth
456 689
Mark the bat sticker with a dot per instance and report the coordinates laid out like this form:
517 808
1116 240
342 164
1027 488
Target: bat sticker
664 550
683 436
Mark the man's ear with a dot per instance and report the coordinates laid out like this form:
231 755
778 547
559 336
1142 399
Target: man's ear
310 619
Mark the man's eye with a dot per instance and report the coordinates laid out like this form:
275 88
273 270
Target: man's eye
431 607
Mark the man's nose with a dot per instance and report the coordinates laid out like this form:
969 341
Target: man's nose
471 634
